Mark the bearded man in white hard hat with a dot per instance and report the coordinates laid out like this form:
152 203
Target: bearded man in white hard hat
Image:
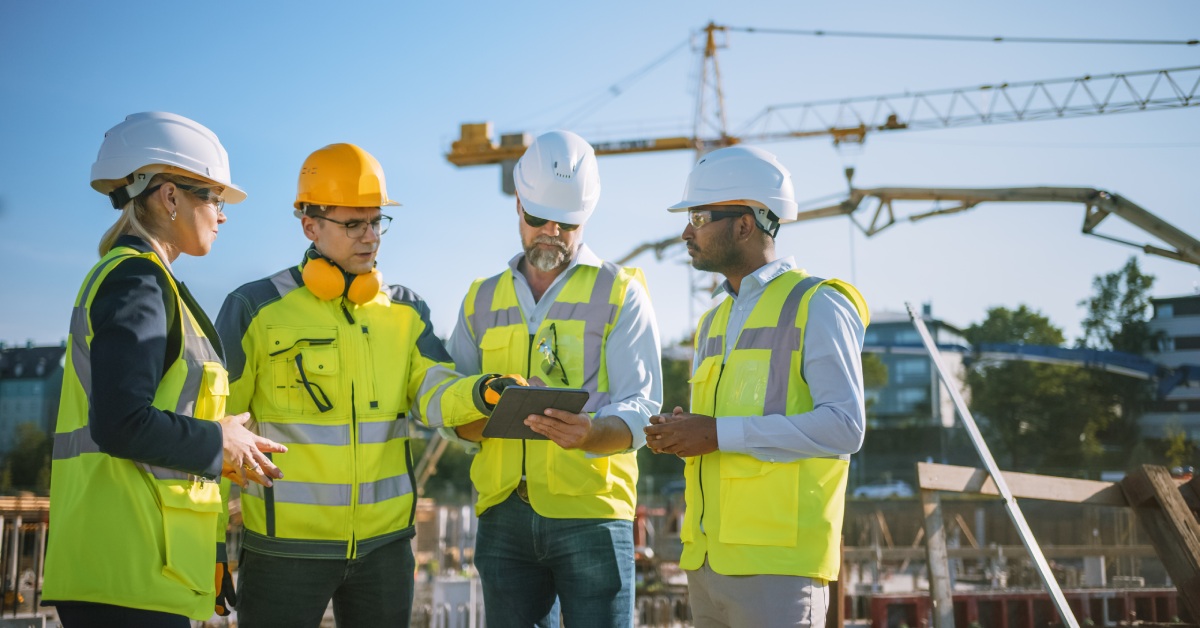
556 515
776 410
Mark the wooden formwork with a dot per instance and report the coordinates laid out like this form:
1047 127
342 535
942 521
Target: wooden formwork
1166 507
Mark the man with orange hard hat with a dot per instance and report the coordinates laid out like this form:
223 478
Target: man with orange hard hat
333 362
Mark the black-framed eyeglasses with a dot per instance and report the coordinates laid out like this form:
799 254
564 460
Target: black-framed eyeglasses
538 223
700 217
550 355
356 229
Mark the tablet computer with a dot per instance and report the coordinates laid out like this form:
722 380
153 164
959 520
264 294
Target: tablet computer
518 402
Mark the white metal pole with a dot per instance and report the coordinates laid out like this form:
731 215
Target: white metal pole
1010 502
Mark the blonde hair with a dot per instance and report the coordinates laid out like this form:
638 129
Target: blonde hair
136 218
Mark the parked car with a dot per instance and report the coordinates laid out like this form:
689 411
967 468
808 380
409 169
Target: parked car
884 489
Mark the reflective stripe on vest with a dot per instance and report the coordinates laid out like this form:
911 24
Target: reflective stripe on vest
317 494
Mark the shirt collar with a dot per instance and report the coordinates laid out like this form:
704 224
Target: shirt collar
758 279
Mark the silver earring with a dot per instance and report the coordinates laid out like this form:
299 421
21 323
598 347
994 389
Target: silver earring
173 215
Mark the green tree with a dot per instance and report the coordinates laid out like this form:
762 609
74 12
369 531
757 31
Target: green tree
1117 319
1035 413
1118 311
30 458
1179 450
875 372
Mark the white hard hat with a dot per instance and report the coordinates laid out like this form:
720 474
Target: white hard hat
557 178
156 141
741 173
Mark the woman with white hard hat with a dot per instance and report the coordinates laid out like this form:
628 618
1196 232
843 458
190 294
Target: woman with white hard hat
142 438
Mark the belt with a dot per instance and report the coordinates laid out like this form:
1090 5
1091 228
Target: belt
522 491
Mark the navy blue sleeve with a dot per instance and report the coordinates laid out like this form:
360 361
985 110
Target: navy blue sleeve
130 348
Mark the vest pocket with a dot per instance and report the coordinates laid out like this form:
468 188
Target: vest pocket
189 513
573 473
214 390
296 390
760 502
498 352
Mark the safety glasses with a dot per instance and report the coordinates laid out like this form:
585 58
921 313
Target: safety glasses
700 217
550 355
206 195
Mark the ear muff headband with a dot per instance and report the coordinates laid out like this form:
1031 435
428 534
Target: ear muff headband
327 281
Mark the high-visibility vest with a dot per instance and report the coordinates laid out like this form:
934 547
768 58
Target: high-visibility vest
750 516
124 532
337 383
562 484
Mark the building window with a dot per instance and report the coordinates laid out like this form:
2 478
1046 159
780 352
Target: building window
871 338
1164 310
908 337
910 369
912 395
1183 343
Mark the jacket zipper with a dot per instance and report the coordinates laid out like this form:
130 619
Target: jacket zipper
352 550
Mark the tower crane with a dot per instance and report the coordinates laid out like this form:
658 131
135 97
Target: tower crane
851 120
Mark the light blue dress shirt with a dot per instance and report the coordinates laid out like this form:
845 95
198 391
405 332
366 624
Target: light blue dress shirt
832 367
634 354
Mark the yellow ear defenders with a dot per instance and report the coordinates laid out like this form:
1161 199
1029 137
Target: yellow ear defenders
327 281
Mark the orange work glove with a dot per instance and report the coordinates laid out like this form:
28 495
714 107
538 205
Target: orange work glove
226 596
492 386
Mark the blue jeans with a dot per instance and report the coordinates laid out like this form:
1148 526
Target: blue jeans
283 592
529 564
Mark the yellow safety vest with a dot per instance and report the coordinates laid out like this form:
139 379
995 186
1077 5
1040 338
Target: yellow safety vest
562 484
746 515
124 532
337 383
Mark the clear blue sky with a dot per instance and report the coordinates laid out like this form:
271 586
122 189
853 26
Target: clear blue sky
277 80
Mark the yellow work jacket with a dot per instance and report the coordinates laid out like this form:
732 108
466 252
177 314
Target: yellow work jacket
124 532
746 515
337 383
562 484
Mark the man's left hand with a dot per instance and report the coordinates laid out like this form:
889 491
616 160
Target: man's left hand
567 429
682 433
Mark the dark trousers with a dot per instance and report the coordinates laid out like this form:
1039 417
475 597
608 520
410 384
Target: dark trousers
94 615
372 590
